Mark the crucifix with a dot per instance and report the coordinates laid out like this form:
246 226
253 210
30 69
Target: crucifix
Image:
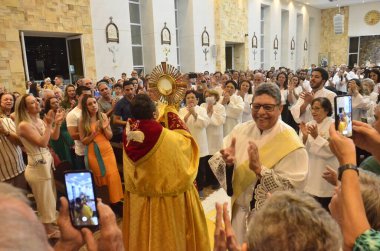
275 55
292 54
113 50
166 52
205 51
254 54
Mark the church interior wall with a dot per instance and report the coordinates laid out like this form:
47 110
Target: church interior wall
54 16
357 25
186 31
334 45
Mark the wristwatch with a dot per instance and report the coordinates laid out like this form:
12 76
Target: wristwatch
345 167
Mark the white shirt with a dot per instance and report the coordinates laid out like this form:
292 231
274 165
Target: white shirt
197 127
340 83
306 116
72 120
360 106
247 112
320 155
215 128
234 112
352 75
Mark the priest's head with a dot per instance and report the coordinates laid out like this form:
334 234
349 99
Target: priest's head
142 107
266 106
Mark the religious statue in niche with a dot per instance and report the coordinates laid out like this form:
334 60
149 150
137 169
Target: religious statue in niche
112 36
292 47
205 42
275 47
254 45
166 40
165 35
112 32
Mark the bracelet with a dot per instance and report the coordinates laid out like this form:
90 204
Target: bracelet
345 167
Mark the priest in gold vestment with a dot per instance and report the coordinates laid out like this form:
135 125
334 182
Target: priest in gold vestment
162 210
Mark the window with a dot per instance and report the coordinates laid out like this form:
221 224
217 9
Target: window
137 45
262 37
353 53
177 33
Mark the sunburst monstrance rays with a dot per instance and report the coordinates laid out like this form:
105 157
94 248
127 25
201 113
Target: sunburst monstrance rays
166 84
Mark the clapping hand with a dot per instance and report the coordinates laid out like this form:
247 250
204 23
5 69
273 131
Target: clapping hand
253 156
224 238
59 116
313 131
330 176
228 154
49 117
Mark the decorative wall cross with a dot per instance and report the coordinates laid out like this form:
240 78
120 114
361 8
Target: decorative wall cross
113 49
205 51
275 55
254 52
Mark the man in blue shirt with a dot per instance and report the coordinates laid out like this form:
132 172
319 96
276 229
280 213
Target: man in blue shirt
122 110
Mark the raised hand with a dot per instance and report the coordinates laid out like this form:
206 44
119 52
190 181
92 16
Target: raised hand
60 116
342 147
224 238
303 129
49 117
330 176
228 154
366 137
313 131
253 156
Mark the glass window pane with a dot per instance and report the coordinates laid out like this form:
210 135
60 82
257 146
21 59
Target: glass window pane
261 42
137 55
177 36
137 1
136 34
262 56
352 59
178 56
262 27
354 44
134 13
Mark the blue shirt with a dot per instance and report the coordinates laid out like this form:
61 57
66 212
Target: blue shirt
123 109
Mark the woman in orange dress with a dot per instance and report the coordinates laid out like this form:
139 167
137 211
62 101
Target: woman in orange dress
95 132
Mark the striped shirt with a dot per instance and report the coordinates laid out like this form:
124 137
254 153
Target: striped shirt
11 161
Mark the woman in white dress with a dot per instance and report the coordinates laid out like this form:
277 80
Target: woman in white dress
245 93
35 134
197 121
217 115
234 106
315 136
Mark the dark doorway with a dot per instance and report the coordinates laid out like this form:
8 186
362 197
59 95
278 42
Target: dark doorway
46 57
229 57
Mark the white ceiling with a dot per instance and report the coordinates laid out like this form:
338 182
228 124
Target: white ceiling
325 4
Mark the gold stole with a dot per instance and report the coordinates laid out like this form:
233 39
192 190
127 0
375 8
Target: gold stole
270 154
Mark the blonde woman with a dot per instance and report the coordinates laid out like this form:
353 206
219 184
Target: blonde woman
35 134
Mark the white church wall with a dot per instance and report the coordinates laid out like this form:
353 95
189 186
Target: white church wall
356 24
106 64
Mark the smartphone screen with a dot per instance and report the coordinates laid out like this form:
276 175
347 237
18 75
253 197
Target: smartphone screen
343 115
82 200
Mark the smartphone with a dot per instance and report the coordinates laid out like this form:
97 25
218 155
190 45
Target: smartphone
81 195
343 114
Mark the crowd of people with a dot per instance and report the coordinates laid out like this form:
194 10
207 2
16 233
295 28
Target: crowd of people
267 137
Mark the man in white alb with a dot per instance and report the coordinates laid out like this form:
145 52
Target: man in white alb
260 156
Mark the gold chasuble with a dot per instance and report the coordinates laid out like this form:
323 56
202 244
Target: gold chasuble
162 210
270 154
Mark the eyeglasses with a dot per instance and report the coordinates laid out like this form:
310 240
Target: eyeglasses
315 109
266 107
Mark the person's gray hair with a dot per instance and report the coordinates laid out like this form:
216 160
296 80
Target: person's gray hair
20 228
293 221
269 89
370 190
370 82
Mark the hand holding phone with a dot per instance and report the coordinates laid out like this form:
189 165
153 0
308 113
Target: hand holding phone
82 200
343 115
